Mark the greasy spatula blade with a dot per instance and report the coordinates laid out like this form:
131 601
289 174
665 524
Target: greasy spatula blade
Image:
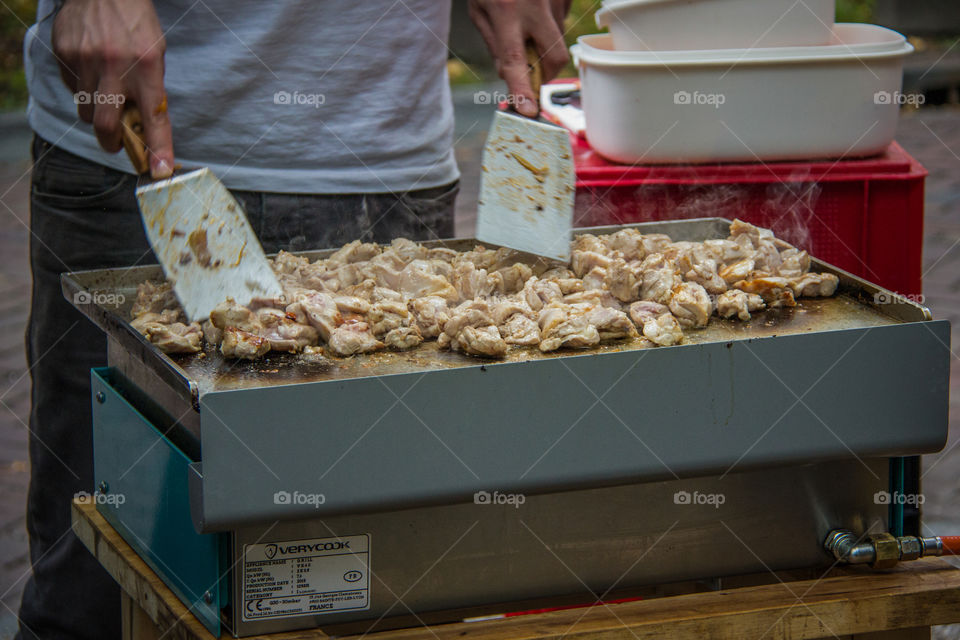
204 243
527 187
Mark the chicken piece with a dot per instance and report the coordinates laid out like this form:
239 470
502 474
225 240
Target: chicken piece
814 285
561 328
471 330
621 281
419 279
363 290
472 282
663 330
283 332
175 337
408 250
756 234
691 304
475 313
589 242
403 338
230 314
430 314
287 263
564 325
441 253
351 338
628 242
697 265
557 273
520 329
659 278
611 324
728 251
353 252
644 310
583 261
655 243
738 303
512 278
594 279
316 277
480 341
775 291
154 297
675 249
767 257
211 333
244 345
793 263
598 297
539 292
313 355
167 316
320 311
737 271
384 270
501 310
351 305
569 285
386 316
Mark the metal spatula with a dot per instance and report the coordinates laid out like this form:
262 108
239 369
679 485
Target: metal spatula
527 183
199 233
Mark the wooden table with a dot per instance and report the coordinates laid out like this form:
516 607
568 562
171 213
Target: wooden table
897 604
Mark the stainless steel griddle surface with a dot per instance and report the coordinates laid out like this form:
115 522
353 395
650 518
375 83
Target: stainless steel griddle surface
209 371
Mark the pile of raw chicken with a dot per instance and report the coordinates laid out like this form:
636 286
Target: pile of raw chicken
625 285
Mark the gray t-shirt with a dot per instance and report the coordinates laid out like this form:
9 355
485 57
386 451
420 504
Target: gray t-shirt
292 96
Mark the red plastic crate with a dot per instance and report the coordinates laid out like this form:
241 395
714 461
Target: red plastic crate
864 216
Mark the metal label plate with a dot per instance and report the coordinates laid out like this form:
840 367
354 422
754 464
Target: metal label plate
306 577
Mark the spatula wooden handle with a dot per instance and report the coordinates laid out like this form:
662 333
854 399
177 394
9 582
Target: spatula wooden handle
132 131
534 68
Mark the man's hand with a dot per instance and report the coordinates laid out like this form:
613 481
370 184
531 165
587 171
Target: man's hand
111 48
506 25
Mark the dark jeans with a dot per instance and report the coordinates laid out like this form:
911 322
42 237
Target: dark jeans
84 216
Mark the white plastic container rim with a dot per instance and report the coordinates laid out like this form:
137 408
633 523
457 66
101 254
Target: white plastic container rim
850 41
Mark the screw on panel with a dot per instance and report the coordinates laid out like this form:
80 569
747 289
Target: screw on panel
103 487
100 397
208 597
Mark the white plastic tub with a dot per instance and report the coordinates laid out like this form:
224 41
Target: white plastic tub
839 100
659 25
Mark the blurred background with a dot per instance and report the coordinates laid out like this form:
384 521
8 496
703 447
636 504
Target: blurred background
930 133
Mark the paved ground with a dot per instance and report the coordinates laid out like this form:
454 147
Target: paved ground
932 135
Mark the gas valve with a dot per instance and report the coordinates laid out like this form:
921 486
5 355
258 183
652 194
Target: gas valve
882 550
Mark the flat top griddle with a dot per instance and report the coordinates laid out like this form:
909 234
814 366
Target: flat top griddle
853 307
863 374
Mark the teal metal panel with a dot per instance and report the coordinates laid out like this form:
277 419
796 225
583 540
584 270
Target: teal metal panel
141 480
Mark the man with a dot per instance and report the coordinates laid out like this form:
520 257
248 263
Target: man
330 121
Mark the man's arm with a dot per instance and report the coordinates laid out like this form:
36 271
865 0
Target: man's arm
506 25
116 47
